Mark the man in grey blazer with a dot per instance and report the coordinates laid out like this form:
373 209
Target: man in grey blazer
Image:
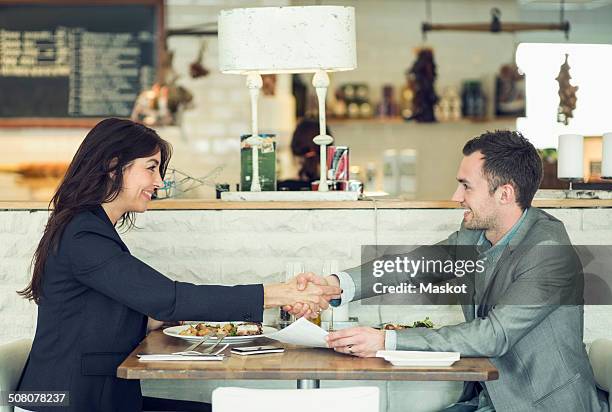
520 315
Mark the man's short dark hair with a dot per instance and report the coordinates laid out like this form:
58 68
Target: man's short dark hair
509 158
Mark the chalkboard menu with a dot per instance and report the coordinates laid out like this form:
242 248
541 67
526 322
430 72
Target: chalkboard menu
76 59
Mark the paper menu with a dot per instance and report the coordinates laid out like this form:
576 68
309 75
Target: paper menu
301 332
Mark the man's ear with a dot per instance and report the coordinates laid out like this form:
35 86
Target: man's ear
507 195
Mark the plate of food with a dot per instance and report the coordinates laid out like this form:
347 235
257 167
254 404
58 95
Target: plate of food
235 331
426 323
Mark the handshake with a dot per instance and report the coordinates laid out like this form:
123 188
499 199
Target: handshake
304 295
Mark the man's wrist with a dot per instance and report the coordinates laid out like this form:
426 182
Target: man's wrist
390 340
332 280
347 285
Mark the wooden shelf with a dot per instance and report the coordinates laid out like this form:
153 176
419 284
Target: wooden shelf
77 122
373 120
399 120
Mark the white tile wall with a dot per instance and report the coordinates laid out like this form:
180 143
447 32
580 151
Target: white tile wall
247 246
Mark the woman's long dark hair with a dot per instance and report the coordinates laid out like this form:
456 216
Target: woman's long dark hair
303 146
95 176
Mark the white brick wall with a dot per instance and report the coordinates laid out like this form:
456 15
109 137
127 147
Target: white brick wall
244 246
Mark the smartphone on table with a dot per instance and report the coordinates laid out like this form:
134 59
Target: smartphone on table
256 350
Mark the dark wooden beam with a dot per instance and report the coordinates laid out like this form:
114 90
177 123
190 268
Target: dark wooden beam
488 27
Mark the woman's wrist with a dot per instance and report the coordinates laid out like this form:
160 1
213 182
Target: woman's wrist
273 295
153 324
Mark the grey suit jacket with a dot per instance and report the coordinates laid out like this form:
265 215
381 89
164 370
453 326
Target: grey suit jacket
538 347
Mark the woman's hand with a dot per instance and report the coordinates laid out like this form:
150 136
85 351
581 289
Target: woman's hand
153 324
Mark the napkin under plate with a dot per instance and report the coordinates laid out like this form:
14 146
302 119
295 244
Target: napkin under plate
170 357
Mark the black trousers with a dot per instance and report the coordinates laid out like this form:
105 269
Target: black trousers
174 405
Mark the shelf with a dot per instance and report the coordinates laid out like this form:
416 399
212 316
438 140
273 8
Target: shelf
373 120
399 120
203 204
25 122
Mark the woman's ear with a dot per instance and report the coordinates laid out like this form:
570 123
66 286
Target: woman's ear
111 166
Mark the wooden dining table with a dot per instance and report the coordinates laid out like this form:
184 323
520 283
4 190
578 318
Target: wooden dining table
308 366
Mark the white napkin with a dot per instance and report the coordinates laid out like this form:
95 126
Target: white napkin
169 357
153 357
301 332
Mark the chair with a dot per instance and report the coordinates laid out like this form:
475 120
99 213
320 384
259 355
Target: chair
13 356
355 399
600 355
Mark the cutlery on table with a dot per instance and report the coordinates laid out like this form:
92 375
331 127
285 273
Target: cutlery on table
207 351
195 345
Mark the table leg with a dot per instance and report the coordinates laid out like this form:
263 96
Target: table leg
308 384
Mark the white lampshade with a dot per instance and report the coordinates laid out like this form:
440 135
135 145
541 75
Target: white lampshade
287 39
570 157
606 163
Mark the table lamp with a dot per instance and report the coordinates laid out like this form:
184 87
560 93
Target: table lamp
310 39
570 158
606 157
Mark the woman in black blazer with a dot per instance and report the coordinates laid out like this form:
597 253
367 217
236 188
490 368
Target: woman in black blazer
93 296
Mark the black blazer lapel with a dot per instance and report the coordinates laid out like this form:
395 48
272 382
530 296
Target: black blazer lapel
108 229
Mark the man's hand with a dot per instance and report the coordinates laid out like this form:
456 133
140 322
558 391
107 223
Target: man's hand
360 341
300 309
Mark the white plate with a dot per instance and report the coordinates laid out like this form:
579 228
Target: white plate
175 330
419 358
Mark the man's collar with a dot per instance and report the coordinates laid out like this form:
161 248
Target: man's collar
529 218
507 237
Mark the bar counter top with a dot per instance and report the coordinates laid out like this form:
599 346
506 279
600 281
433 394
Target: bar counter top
197 204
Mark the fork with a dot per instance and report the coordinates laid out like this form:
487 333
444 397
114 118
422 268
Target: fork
206 351
220 337
195 345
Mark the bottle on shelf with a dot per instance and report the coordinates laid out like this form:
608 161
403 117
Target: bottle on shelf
406 97
387 107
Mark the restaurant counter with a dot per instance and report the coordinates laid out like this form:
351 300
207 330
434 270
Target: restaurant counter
196 204
221 242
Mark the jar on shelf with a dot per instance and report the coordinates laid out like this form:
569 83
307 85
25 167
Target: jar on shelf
473 100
